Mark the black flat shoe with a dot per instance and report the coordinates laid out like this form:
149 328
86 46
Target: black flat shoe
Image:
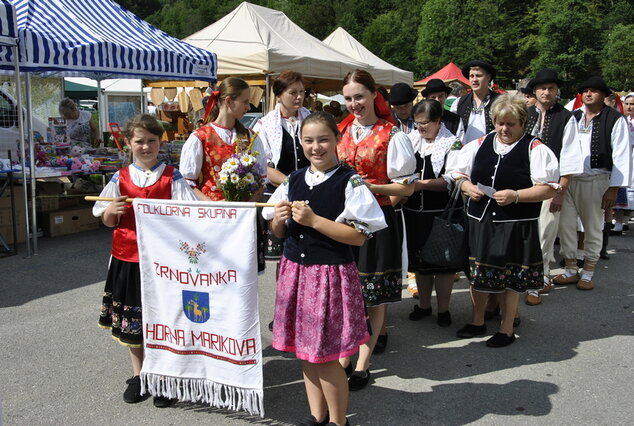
310 420
163 402
358 380
419 313
444 319
489 315
132 393
499 340
335 424
469 331
348 370
381 344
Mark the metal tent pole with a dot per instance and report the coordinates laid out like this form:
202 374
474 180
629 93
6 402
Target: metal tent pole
29 127
18 95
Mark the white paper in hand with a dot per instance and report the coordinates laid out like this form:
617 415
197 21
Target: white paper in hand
487 190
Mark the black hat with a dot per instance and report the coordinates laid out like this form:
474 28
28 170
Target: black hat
482 64
401 94
545 76
528 90
435 85
595 83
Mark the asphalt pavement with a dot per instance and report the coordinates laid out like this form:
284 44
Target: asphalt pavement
572 364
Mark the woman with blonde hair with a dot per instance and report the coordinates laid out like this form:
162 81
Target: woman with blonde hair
506 175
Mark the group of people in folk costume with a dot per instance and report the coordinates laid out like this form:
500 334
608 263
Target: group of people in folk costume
349 196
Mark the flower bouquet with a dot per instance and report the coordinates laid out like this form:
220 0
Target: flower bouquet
241 176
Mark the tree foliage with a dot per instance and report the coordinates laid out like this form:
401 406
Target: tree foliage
617 60
568 41
575 37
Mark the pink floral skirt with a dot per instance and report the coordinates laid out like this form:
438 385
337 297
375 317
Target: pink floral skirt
319 311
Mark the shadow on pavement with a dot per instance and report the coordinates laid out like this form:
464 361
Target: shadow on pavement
63 263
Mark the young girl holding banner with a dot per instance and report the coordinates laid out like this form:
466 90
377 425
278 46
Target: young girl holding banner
322 210
145 178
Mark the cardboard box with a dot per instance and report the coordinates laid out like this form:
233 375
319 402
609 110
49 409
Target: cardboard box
71 221
6 221
47 204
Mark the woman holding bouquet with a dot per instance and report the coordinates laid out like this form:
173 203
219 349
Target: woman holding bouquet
211 145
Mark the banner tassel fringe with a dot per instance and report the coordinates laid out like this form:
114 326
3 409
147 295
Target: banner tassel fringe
204 390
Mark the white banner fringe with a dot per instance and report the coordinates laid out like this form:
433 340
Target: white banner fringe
204 390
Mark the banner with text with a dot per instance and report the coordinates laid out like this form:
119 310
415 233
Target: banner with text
200 302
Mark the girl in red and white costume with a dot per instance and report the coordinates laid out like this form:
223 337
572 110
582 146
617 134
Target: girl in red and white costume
146 177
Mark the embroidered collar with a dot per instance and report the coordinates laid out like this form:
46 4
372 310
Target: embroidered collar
317 177
154 167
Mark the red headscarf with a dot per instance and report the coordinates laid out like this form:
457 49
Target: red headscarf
211 103
380 109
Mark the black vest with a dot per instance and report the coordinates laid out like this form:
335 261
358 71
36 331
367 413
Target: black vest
554 124
426 200
451 120
291 157
510 171
601 139
465 106
305 245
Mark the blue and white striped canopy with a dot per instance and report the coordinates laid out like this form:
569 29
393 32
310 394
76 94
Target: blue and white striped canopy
99 39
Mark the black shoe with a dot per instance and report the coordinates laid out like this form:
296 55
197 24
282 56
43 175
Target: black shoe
271 326
358 380
470 330
163 402
499 340
444 319
381 344
419 313
335 424
310 420
348 370
132 393
489 315
517 321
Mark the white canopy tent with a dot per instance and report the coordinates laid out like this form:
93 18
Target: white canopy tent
91 38
384 73
255 42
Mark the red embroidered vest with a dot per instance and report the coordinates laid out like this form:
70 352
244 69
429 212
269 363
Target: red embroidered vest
216 152
124 236
369 157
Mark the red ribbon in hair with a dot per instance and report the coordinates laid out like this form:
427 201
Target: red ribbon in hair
211 103
380 109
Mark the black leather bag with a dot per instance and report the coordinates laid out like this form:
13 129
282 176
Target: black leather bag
446 245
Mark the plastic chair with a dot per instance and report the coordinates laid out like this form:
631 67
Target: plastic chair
115 131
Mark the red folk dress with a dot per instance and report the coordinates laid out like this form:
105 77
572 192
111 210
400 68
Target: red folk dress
379 259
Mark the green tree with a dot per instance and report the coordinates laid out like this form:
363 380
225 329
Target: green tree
617 60
569 40
385 37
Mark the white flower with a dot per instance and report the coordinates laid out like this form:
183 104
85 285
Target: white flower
247 160
234 178
249 178
224 179
231 164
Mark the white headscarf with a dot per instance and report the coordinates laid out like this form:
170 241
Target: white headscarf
271 123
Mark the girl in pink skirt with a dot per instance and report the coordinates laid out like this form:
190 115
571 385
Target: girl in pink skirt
322 210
